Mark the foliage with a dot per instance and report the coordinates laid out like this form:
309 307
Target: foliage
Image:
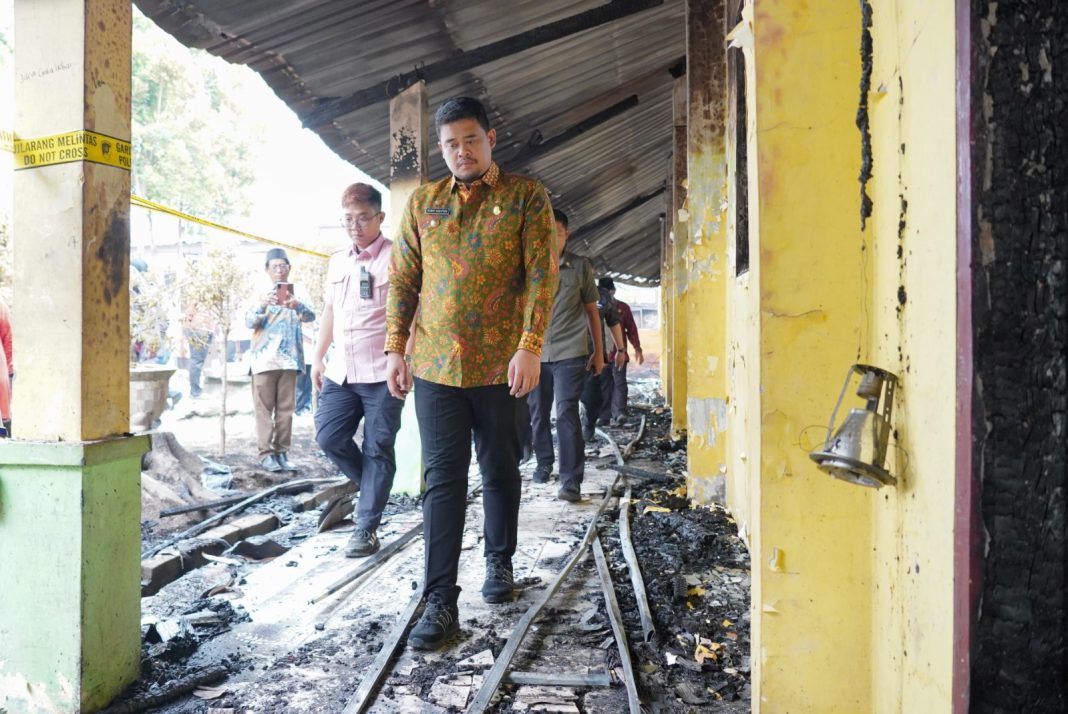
217 285
188 148
309 271
152 302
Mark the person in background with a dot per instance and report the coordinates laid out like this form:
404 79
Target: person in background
475 257
353 383
566 357
5 397
614 383
198 328
592 389
7 368
304 379
277 357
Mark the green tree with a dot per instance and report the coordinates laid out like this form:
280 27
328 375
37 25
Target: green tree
218 285
189 148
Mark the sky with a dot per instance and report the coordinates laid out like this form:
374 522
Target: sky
297 190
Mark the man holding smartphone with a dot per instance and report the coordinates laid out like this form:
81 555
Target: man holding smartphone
277 358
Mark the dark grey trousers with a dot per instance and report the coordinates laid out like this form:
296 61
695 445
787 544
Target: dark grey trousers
341 407
560 381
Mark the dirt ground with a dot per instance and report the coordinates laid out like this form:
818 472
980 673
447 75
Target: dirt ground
696 574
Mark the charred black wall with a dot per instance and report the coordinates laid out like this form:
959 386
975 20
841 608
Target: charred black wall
1021 333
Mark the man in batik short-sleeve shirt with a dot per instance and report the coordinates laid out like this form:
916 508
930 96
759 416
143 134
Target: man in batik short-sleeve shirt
474 255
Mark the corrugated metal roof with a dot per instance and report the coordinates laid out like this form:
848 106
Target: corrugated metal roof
312 50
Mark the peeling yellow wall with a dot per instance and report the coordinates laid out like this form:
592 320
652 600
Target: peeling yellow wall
912 110
706 256
811 535
679 237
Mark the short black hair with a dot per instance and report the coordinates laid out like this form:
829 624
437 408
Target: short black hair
560 217
459 108
606 283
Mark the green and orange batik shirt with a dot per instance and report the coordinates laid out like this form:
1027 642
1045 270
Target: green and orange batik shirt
477 261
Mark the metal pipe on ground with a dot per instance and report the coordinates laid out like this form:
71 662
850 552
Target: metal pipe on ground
616 618
373 679
559 679
629 448
636 580
203 525
212 505
492 679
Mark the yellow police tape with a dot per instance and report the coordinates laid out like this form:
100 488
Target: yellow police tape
102 149
153 206
82 145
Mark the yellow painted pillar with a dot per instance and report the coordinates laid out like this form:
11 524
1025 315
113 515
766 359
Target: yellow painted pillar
69 489
811 541
706 297
666 302
679 242
912 110
409 146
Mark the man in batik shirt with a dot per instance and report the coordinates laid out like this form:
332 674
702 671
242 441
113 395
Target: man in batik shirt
474 255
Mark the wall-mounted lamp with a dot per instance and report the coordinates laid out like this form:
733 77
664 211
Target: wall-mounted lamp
856 452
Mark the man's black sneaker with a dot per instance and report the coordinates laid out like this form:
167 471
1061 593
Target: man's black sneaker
439 623
588 434
570 493
541 473
499 586
361 544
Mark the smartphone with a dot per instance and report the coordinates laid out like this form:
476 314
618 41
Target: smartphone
283 292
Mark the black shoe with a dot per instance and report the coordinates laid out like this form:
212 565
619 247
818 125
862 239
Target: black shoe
542 473
270 463
619 420
588 434
283 461
526 453
603 421
570 493
439 623
361 544
498 586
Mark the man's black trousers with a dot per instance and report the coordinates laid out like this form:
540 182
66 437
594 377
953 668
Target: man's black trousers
448 416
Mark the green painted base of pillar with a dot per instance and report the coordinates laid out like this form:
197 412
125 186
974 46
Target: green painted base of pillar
70 599
409 477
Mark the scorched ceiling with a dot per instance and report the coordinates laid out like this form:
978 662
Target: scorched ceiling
589 113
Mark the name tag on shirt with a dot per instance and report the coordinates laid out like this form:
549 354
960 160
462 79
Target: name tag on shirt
436 211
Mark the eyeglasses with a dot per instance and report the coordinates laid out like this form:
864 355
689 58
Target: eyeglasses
363 220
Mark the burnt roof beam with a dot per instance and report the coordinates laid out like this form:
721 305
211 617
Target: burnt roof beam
604 220
526 156
331 109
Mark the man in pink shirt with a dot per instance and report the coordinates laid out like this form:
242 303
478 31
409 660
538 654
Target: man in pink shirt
353 381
